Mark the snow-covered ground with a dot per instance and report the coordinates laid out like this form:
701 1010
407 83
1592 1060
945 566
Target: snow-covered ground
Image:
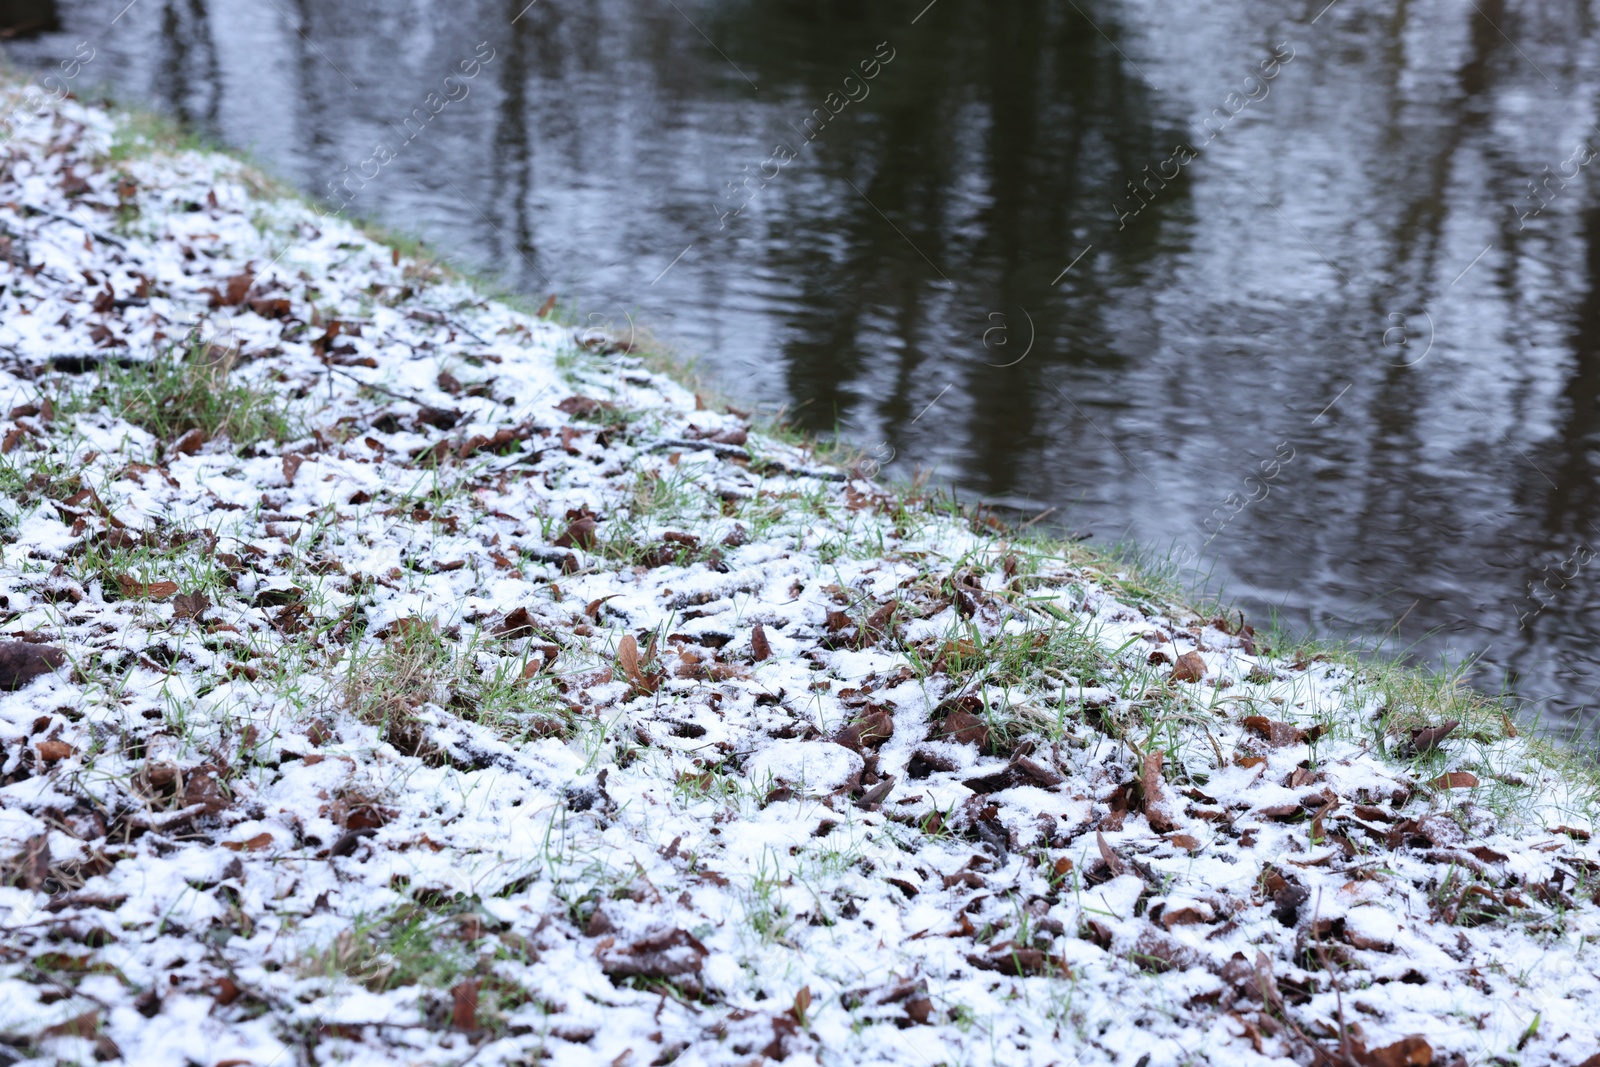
436 685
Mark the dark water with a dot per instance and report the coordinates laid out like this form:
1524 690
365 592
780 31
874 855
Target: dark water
1306 293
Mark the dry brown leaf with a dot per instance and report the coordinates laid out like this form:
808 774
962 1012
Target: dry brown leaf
584 405
1157 808
579 534
628 659
592 609
1118 865
759 648
1042 776
1412 1051
1427 738
517 623
249 844
1456 780
1189 668
86 1025
190 443
133 589
32 865
1018 960
271 308
1158 952
464 1007
1279 733
53 751
190 605
291 467
1182 917
966 728
674 954
21 662
238 286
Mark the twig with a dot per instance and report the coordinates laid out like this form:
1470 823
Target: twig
98 235
725 451
424 315
375 387
1036 518
735 452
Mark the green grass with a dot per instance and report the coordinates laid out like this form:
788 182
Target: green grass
182 388
410 945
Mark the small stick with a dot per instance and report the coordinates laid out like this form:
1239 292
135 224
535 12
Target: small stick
98 235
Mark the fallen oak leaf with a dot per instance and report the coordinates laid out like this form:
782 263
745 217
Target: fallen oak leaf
962 724
271 307
92 498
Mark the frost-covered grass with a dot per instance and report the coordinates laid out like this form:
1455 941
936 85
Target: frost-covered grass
445 683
